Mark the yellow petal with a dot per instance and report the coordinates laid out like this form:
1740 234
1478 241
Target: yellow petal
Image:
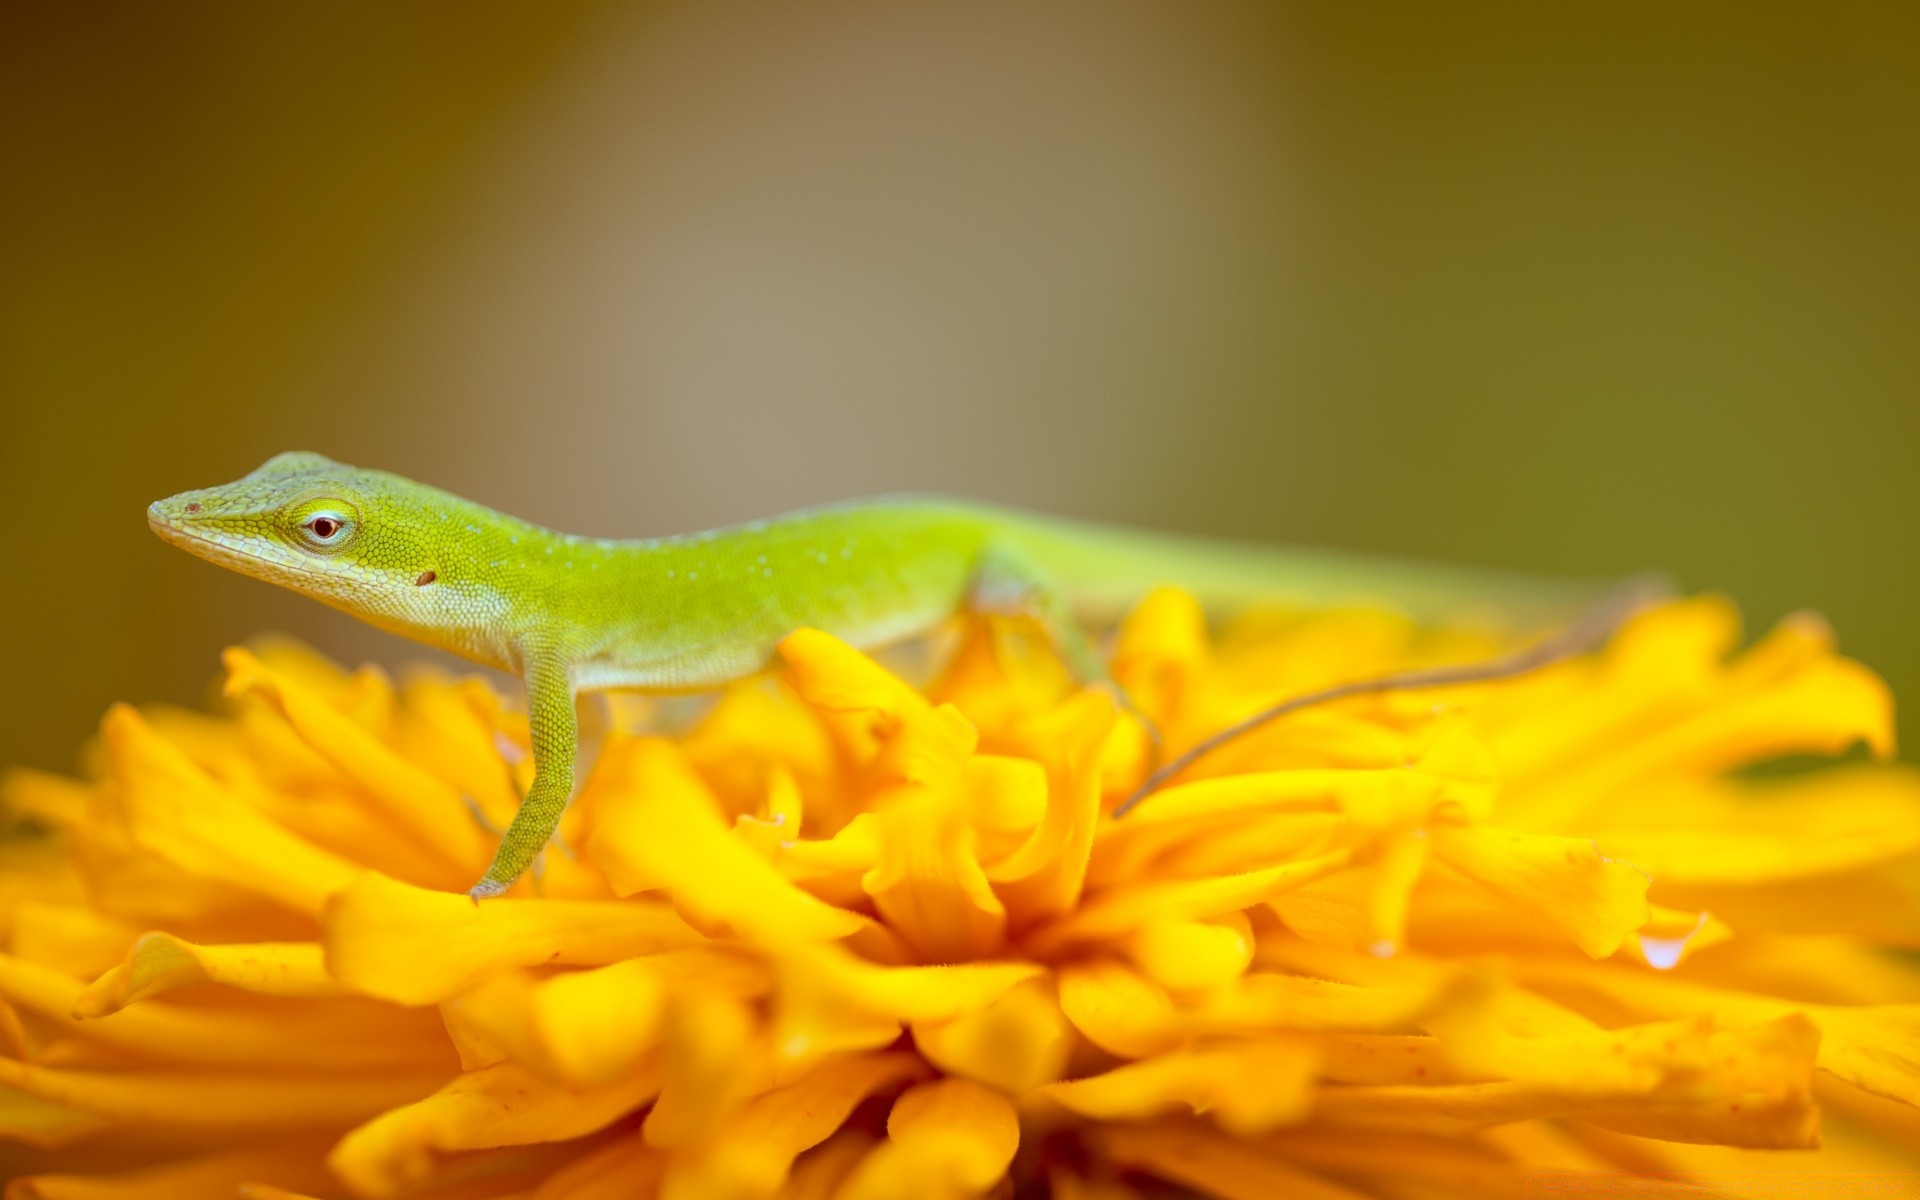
1181 955
498 1106
585 1028
758 1145
231 1103
160 962
413 946
1214 1164
1819 825
51 800
189 1179
1364 907
1120 910
1118 1008
948 1138
622 1170
442 730
828 1000
928 885
709 1065
832 675
174 810
1248 1088
430 809
1753 1088
340 1038
1018 1041
1265 1001
670 832
1598 901
1046 874
1871 1046
820 1173
69 938
1157 650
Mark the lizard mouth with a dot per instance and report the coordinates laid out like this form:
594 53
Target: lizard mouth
176 532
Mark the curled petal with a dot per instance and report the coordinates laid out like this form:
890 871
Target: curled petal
1017 1042
1597 900
234 1103
1118 1009
295 1163
176 811
160 962
499 1106
928 884
757 1148
1248 1088
422 804
414 946
1122 909
336 1038
1215 1163
1182 955
669 831
948 1138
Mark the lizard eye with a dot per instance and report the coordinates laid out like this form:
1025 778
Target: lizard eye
325 528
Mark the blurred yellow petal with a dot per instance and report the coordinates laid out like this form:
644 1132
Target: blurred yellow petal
1182 955
175 811
710 1062
1118 1008
1123 909
1822 825
49 799
413 946
342 1038
191 1179
428 808
829 1001
820 1173
1215 1164
1597 900
625 1169
832 675
1247 1088
585 1028
928 885
669 832
1752 1088
160 962
1046 874
498 1106
1265 1001
1876 1047
948 1138
757 1149
232 1102
70 938
1016 1042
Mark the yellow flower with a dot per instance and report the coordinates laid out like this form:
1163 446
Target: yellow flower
848 938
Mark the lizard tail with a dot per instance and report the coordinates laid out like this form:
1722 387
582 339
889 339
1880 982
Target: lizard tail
1104 570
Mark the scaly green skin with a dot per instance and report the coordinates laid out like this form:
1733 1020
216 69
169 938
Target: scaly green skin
569 614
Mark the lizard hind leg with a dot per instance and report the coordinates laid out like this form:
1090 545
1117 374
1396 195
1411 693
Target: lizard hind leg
1004 583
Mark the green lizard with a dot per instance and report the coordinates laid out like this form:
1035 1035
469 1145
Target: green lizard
570 614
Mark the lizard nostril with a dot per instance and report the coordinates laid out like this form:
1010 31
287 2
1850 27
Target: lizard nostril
193 506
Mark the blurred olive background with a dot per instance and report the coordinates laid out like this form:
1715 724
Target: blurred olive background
1581 288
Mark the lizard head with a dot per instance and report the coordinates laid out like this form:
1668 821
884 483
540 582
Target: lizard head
365 541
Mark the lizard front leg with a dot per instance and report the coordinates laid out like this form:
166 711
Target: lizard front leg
555 732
